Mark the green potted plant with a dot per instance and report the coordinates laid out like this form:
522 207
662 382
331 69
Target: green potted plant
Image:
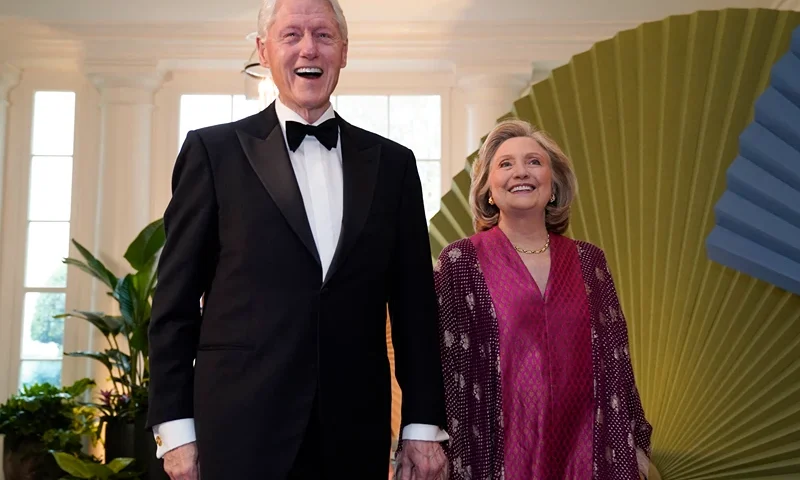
40 418
124 406
79 468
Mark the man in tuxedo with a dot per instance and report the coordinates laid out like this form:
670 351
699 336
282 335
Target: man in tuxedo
297 228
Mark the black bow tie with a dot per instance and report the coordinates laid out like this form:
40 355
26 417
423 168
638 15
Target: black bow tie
327 133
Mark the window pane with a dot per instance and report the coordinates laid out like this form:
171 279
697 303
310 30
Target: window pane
36 371
242 107
51 188
53 123
48 244
43 335
198 111
416 122
370 112
430 174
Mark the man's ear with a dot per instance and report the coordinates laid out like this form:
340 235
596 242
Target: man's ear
261 46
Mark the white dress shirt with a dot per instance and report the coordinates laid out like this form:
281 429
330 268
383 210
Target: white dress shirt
319 175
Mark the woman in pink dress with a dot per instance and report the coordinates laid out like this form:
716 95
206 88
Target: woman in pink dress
534 345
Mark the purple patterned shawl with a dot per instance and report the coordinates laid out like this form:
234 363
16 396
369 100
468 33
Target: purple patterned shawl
470 343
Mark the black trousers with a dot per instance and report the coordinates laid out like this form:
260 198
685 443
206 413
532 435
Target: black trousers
311 462
308 465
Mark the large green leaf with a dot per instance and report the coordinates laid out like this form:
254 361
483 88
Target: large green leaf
119 464
73 465
146 245
93 266
119 359
134 299
143 282
125 294
107 324
139 340
145 279
100 357
78 388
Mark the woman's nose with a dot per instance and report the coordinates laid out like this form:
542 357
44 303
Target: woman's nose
520 171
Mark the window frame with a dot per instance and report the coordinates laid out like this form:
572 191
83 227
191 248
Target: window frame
14 223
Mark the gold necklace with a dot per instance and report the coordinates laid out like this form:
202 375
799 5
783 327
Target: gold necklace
535 252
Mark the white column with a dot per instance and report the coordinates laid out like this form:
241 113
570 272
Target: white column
123 180
124 177
9 77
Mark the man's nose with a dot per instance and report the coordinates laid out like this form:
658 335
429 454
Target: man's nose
308 46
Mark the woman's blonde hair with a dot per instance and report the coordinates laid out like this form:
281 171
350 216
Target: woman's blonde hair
565 185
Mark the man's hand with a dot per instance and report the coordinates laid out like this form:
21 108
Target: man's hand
181 463
421 460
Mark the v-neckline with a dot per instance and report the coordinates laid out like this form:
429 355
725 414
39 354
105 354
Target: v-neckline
521 264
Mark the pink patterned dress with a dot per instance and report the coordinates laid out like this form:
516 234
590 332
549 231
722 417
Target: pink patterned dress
539 386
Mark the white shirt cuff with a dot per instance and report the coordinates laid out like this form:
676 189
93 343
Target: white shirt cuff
428 433
173 434
643 462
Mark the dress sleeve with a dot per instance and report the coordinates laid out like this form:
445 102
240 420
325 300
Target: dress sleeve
451 357
641 428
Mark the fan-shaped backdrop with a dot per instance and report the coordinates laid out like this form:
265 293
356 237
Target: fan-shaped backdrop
651 119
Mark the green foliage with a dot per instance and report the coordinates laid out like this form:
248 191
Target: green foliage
49 415
45 327
128 368
78 468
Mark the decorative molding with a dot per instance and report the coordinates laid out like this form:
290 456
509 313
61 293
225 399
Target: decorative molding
420 33
223 45
502 78
129 83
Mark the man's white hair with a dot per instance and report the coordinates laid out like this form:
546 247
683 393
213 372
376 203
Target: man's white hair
266 17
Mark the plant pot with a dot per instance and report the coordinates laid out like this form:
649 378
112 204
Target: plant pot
120 439
27 460
133 440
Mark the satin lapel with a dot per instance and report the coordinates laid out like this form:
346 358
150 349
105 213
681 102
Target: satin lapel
270 160
359 171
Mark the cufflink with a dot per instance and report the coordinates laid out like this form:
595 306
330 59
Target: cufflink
158 441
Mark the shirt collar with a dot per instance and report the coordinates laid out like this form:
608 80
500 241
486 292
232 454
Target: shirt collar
285 114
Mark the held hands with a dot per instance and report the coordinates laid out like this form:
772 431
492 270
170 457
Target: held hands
181 463
421 460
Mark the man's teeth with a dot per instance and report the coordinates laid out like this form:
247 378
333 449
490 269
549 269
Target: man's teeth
309 71
521 188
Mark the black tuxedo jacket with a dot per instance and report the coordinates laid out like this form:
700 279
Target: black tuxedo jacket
273 335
